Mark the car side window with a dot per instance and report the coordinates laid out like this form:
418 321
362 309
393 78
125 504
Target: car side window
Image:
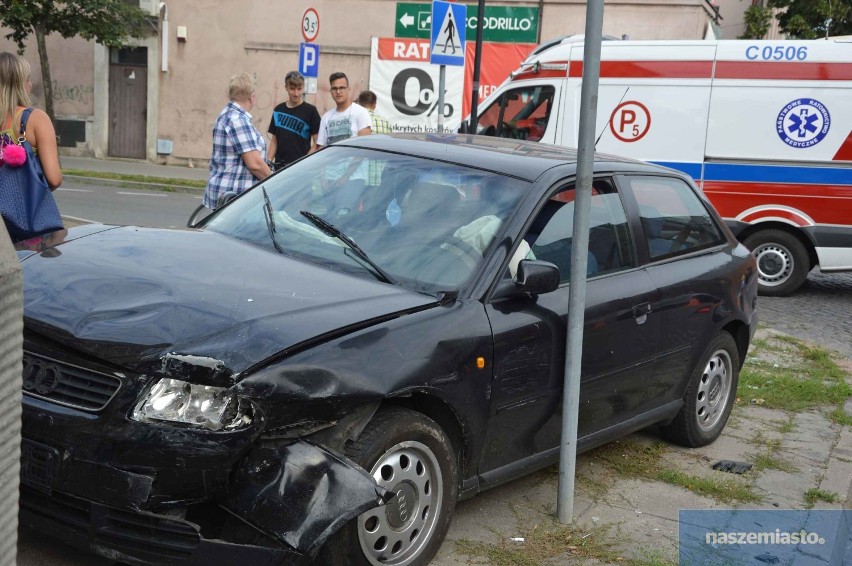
550 235
520 113
674 219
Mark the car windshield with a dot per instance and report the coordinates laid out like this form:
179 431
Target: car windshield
422 224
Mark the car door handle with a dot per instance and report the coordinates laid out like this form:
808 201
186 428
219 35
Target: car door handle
641 312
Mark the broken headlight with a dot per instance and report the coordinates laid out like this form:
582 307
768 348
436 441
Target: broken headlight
214 408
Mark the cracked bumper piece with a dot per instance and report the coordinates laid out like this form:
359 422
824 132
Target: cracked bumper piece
288 499
138 537
301 493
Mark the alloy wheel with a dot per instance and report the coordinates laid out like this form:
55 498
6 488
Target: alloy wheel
395 534
714 389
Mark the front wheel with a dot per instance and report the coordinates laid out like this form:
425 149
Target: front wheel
782 261
409 455
709 397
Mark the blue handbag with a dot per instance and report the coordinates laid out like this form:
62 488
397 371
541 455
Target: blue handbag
26 203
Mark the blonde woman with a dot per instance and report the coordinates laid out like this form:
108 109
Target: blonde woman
239 149
15 86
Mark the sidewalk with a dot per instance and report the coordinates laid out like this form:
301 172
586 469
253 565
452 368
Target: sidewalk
142 174
134 167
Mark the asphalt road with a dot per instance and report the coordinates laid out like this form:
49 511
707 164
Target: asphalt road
818 313
117 205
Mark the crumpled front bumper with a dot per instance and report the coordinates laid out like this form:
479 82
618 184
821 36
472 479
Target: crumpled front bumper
292 496
138 537
265 503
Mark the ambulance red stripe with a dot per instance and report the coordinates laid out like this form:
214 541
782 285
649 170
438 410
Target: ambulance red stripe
784 70
724 70
649 69
845 151
825 204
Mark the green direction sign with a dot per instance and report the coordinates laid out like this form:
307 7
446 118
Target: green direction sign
502 23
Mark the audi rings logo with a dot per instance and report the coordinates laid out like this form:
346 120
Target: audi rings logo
40 376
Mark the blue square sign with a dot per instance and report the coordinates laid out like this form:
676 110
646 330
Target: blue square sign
449 24
309 59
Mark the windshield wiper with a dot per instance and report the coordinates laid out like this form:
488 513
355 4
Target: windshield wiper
335 232
270 221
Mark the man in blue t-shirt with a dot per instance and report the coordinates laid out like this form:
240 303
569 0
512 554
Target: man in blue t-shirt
294 124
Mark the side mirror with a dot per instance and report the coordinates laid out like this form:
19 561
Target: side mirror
537 277
225 198
534 277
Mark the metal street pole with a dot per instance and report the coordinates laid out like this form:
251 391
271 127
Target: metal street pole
442 80
477 63
579 259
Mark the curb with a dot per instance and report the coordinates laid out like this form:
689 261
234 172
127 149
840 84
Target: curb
135 185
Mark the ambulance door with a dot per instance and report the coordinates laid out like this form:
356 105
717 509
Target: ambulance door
652 103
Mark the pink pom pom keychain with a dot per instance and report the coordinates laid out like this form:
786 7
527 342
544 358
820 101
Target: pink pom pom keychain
14 155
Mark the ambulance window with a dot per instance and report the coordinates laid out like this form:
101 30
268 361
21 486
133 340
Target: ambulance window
520 113
674 219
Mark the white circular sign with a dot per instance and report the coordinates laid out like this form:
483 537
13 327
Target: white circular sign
310 25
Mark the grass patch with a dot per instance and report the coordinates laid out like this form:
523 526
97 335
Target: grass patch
629 458
769 462
812 379
814 495
726 491
839 416
786 426
544 542
136 178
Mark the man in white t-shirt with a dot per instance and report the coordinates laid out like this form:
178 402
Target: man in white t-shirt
347 120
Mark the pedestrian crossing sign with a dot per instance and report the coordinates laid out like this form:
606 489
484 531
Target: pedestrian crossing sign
449 25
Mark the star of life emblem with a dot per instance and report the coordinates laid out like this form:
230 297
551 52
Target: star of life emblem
803 123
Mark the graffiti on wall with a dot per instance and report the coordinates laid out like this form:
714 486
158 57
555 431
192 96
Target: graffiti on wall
81 94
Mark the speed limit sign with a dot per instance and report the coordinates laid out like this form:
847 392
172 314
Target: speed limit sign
310 25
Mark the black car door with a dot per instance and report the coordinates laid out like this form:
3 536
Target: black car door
620 336
688 261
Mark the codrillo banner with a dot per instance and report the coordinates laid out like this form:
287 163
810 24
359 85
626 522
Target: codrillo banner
406 84
744 536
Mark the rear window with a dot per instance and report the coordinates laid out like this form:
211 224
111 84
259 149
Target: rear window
674 219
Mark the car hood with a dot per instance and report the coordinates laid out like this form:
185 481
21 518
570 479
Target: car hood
200 304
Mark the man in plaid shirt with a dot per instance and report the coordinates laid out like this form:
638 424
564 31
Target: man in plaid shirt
237 161
367 99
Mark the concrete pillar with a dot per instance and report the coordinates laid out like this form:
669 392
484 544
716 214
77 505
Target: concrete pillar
11 352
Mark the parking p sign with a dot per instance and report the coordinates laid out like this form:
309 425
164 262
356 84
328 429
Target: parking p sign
309 59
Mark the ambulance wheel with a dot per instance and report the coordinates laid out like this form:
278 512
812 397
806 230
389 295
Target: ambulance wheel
782 261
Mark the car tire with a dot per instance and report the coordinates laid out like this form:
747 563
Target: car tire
408 453
782 261
709 396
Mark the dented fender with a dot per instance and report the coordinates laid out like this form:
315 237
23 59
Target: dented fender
301 493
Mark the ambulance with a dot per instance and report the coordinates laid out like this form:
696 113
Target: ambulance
764 128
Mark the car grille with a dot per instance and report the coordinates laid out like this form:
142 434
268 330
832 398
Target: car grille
66 384
147 537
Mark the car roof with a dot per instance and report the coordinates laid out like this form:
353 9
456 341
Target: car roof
516 158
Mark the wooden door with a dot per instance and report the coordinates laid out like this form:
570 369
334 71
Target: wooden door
128 101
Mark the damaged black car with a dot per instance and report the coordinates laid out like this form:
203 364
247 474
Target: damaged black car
329 362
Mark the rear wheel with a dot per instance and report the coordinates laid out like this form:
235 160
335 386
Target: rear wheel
409 455
782 261
709 396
